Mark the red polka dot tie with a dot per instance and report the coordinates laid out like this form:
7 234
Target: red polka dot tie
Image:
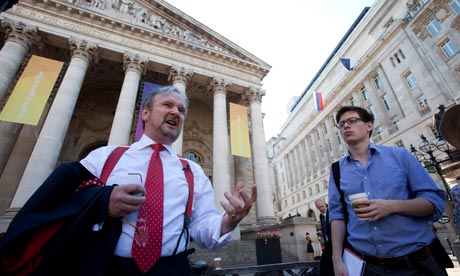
147 241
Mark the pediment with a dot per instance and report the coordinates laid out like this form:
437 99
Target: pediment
161 18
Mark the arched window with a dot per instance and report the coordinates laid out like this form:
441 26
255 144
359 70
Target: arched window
194 156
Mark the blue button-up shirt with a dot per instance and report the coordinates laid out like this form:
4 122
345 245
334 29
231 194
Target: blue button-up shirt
390 173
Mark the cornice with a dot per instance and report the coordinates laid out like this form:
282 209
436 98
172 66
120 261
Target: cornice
92 21
64 19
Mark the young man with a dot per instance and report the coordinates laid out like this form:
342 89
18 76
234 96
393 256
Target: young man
392 233
118 235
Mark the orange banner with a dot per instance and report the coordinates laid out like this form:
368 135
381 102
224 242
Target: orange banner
239 131
29 96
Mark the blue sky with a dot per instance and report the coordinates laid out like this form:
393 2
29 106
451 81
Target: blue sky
294 36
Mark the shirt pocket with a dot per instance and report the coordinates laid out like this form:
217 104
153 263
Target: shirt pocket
391 183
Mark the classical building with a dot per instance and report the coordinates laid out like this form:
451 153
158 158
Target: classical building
110 48
405 61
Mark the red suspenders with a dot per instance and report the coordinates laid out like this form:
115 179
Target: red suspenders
116 154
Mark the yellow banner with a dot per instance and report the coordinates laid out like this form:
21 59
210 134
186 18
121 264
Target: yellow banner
239 131
29 96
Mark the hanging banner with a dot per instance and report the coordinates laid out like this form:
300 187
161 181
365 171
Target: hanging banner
148 87
29 96
239 131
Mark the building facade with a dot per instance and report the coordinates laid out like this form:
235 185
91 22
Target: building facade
405 62
110 48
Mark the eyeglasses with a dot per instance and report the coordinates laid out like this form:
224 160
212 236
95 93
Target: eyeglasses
349 121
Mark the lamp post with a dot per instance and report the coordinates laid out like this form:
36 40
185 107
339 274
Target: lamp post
426 153
428 147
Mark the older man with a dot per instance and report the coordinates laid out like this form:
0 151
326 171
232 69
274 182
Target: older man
136 223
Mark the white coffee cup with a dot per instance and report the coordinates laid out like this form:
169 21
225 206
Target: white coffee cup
356 197
217 263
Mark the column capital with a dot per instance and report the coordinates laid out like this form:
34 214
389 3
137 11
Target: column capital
254 94
219 85
83 49
134 62
180 74
24 35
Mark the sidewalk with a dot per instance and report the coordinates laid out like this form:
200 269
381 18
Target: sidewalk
455 271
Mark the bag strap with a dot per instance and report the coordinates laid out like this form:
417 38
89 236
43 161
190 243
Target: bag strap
336 174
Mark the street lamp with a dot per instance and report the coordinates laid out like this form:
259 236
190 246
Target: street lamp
428 147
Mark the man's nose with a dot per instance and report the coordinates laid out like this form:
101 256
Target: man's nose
174 110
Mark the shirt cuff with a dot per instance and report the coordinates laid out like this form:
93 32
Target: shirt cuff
217 237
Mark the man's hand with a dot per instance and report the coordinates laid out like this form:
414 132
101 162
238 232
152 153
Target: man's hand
237 206
123 199
377 209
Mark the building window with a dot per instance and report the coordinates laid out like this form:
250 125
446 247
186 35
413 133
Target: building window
194 156
364 94
400 143
329 144
397 58
401 54
304 195
298 197
387 102
293 200
379 130
449 48
434 27
352 101
285 203
422 102
392 62
325 186
455 5
325 128
317 188
338 138
394 120
411 81
434 131
378 82
310 191
372 109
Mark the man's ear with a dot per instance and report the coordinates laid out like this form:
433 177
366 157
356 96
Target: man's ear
145 114
370 126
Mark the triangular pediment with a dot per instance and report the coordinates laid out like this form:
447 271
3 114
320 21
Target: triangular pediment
162 18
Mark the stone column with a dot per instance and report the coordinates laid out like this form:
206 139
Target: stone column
221 141
331 133
324 146
317 161
309 163
265 212
49 143
134 67
20 39
180 77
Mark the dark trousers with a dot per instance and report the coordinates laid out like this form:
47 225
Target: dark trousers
165 266
426 267
326 267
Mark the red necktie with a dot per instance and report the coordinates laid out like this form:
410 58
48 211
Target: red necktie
147 241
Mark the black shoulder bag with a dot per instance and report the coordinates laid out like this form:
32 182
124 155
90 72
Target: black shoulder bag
326 266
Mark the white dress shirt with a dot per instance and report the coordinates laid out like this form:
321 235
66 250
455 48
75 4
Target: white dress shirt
205 226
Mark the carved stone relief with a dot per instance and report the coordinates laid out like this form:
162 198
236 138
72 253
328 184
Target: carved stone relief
143 16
